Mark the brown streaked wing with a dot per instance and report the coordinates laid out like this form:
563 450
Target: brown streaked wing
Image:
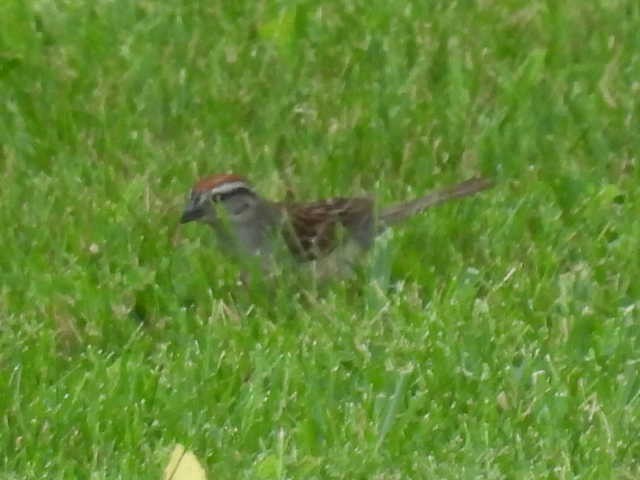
312 228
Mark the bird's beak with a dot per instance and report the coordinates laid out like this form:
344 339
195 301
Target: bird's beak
191 213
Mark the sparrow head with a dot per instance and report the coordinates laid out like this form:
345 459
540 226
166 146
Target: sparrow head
232 191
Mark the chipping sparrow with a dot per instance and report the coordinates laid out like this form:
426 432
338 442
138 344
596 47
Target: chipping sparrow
250 225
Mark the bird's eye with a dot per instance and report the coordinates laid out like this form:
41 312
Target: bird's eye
216 198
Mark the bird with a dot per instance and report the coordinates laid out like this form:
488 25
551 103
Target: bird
248 225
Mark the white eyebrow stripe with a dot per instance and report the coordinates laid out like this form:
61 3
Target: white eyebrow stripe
228 188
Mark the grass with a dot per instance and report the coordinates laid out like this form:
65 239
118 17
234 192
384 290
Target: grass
492 338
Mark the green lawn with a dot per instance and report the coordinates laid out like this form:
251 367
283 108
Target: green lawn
496 337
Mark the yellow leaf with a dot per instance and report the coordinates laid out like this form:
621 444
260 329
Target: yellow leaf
183 465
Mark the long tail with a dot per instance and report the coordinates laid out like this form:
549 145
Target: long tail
397 213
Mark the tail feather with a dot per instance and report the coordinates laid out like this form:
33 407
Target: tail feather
397 213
